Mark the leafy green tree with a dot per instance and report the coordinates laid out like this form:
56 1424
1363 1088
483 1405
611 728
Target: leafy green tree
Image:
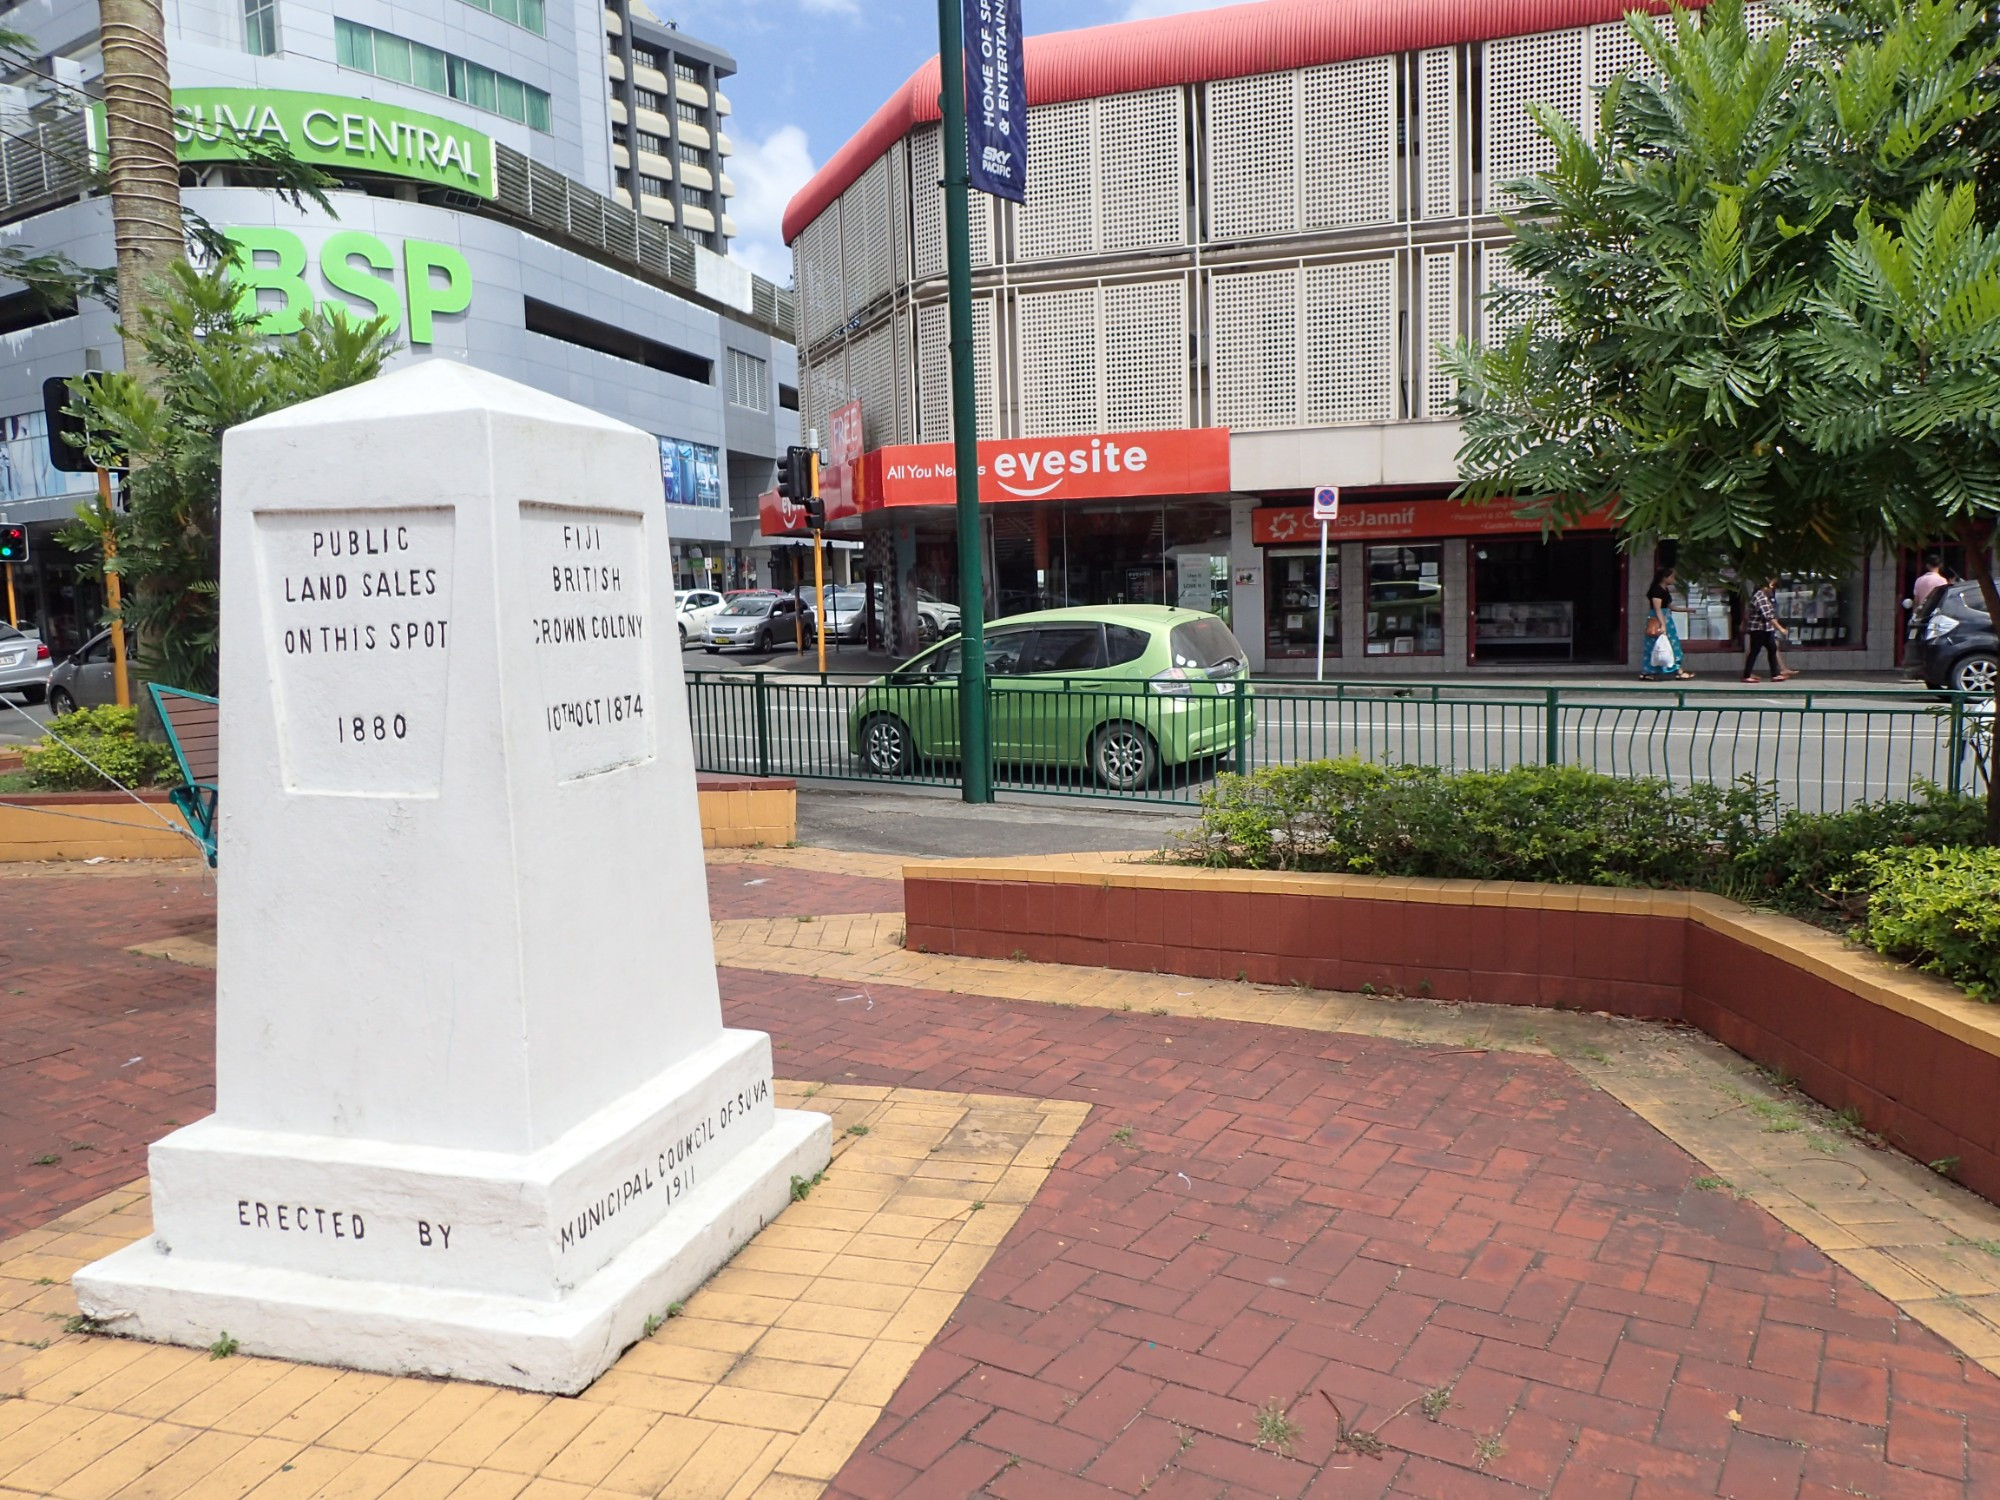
1763 318
208 369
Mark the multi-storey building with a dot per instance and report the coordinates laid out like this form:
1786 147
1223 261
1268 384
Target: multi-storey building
668 148
1248 231
482 205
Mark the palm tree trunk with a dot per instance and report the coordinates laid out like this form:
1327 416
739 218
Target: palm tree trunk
144 166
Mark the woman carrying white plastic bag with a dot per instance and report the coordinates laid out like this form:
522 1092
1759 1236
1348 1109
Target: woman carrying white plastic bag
1663 640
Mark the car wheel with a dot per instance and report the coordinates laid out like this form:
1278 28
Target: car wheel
1977 673
764 640
684 634
1123 756
711 650
60 702
885 745
927 630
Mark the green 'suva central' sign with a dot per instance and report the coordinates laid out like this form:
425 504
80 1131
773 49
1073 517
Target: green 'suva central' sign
325 130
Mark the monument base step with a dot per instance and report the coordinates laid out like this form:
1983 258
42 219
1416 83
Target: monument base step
557 1346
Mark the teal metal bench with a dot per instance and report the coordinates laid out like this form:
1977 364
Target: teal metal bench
190 720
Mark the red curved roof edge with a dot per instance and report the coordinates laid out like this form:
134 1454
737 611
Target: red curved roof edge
1231 41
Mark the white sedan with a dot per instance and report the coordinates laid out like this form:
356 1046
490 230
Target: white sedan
695 609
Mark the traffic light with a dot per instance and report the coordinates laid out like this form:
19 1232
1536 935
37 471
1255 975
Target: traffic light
64 454
13 544
798 482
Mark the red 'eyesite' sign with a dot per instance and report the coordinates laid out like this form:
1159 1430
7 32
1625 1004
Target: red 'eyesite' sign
1089 466
1395 520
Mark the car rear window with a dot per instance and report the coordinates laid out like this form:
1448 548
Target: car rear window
1205 644
1125 644
9 633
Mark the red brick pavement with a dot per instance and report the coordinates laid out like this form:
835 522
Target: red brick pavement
101 1051
1294 1214
752 890
1291 1213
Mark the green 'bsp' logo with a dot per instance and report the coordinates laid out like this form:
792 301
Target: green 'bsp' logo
434 279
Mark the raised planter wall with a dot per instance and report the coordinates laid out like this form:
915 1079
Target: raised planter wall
1919 1060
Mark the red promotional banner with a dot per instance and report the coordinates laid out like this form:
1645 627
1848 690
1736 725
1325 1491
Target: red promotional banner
840 476
1394 520
1089 466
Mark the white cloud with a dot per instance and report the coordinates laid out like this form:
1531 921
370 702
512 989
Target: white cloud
767 173
830 7
1145 10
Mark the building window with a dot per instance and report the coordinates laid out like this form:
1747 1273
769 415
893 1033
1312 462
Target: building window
1292 618
749 381
682 70
788 397
688 112
402 61
694 157
653 187
655 144
1405 601
697 197
260 27
647 99
527 14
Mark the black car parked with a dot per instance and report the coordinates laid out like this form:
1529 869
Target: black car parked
1955 637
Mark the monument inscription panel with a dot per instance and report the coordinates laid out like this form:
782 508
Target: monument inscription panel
357 610
590 628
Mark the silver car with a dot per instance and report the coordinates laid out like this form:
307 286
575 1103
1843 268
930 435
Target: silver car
763 622
24 663
84 680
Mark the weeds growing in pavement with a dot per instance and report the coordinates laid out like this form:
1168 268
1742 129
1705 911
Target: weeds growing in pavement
223 1347
48 1160
1122 1135
1709 1184
653 1322
802 1186
82 1323
857 1130
675 1309
1276 1430
1944 1166
1486 1449
1436 1402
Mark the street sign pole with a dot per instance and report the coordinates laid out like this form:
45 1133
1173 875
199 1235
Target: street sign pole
1319 669
975 760
13 614
1326 510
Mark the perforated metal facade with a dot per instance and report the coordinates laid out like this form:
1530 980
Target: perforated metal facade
1095 312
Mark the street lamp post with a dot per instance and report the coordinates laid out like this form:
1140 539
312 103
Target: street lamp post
975 749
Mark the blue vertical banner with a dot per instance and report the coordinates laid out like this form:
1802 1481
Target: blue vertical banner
996 99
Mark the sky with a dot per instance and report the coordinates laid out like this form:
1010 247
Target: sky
811 72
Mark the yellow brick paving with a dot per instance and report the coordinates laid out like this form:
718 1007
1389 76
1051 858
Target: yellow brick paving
1925 1243
762 1386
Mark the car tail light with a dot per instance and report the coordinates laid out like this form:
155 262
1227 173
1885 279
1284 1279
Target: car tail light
41 651
1172 683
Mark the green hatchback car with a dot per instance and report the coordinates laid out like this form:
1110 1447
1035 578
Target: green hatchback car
1116 691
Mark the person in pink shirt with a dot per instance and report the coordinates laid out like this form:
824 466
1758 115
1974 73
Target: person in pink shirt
1929 581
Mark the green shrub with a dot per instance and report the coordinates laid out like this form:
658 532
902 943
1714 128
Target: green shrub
1938 909
106 736
1809 863
1553 823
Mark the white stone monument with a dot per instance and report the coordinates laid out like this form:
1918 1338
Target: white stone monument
476 1111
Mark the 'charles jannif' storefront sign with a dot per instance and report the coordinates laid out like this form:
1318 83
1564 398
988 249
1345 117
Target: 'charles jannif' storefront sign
325 130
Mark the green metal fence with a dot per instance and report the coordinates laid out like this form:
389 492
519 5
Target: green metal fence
1821 749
